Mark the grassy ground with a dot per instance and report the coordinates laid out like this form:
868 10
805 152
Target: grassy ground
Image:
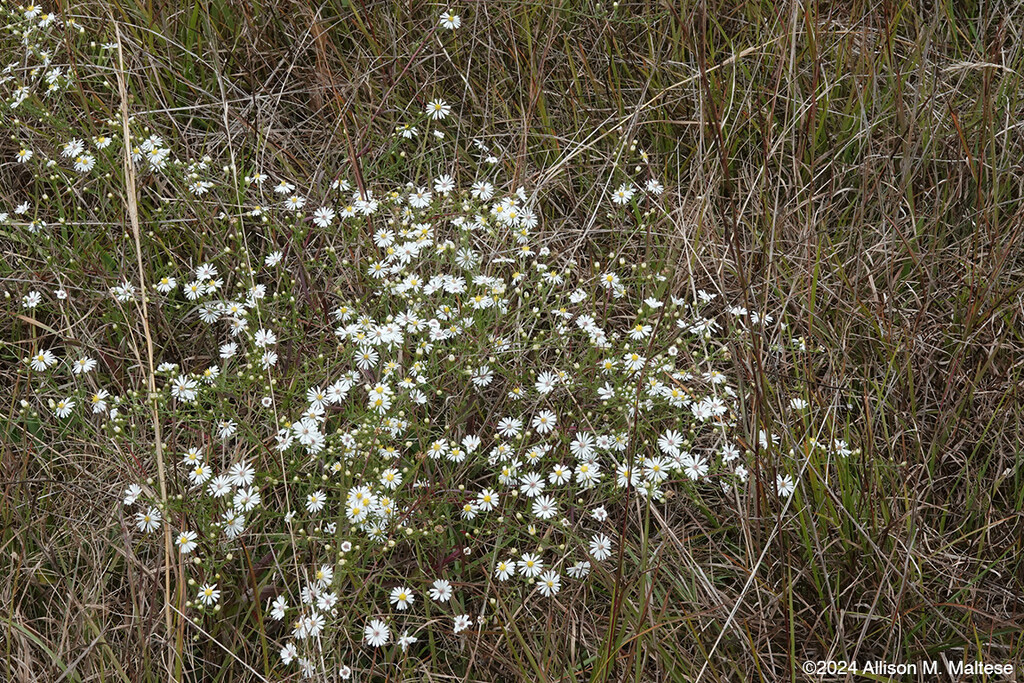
854 165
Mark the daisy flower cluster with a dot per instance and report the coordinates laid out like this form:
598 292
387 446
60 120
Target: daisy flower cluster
409 401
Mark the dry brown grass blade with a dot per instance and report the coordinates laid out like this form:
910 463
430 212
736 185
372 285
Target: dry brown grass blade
131 201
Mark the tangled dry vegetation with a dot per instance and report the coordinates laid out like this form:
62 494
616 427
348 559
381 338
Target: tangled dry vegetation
805 217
